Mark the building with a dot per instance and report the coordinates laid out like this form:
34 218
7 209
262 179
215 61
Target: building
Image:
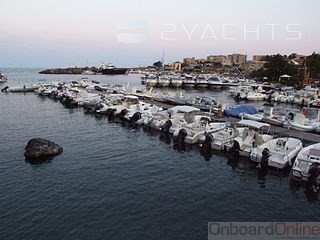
222 59
176 66
217 59
188 61
237 59
259 58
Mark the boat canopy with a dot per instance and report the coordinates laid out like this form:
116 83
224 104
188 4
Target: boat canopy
235 112
254 124
184 109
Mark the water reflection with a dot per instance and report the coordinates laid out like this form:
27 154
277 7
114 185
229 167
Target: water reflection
233 161
179 146
206 154
307 189
165 137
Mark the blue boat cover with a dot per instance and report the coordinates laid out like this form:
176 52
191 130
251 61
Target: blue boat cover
235 112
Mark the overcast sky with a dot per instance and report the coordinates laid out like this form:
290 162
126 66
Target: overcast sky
60 33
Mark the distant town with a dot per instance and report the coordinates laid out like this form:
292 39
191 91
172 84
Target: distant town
301 69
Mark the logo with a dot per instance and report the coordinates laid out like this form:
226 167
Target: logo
135 31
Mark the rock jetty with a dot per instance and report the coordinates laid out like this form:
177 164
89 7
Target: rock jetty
70 70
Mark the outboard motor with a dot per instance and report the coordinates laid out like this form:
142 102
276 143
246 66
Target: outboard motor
98 106
136 116
110 113
165 137
69 102
89 108
237 98
264 159
263 164
234 150
178 140
181 136
205 144
123 113
291 116
5 89
314 172
269 98
54 95
165 127
233 155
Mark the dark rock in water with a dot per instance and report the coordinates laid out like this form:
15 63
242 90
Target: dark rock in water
70 70
38 148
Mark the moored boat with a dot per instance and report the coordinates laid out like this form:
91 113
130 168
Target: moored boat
189 81
112 70
282 151
202 81
2 78
215 82
306 158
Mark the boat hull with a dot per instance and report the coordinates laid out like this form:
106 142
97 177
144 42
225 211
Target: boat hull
115 71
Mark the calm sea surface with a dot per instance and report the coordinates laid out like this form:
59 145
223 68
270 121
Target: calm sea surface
119 182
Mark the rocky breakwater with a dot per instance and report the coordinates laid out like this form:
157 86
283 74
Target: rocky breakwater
38 150
70 70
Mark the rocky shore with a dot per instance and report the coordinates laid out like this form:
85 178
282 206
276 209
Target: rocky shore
71 70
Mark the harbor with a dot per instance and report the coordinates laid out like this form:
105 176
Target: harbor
159 120
110 160
188 120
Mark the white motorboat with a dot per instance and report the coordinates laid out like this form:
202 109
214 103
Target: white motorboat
2 78
151 81
215 82
189 81
163 81
83 97
282 151
172 118
224 137
305 159
275 119
88 72
121 110
253 135
301 123
182 115
176 81
256 96
23 89
202 81
196 130
255 117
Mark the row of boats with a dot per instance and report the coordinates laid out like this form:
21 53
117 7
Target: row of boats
187 81
240 89
307 120
309 96
190 125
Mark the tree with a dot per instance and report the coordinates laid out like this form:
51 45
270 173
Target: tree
293 56
276 66
157 64
313 65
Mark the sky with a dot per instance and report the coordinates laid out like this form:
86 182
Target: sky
61 33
